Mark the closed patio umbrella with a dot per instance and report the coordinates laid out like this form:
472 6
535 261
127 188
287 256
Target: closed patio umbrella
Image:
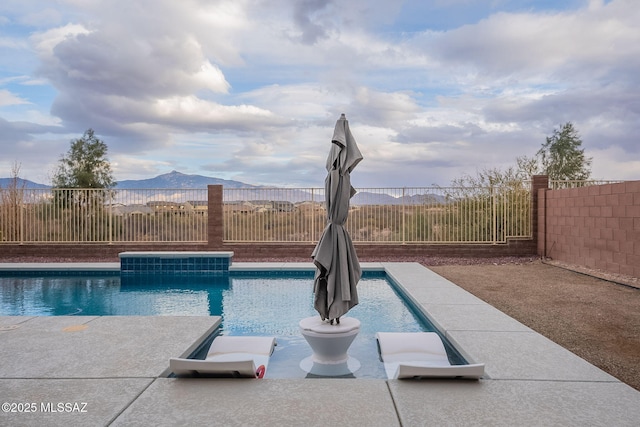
338 269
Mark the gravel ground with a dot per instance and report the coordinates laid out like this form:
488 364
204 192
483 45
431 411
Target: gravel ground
597 319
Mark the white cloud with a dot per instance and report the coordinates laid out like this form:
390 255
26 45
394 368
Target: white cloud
252 89
137 168
613 163
584 44
191 111
8 98
46 41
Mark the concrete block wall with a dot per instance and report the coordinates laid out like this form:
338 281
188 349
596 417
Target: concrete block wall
374 252
596 227
267 251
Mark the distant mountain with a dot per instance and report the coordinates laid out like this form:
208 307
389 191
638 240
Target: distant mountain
175 180
171 180
271 193
22 183
366 198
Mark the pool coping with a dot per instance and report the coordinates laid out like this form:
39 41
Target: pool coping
528 378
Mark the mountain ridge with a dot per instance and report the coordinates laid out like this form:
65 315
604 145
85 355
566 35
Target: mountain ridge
175 180
170 180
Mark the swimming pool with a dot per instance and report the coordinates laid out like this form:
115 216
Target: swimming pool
249 304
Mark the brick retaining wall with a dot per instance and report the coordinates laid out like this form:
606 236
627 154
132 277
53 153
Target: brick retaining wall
596 227
367 252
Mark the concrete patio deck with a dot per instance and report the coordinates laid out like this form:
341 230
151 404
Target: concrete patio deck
112 370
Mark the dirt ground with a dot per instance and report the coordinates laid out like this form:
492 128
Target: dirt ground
596 319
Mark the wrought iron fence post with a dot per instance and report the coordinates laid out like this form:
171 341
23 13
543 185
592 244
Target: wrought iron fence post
503 237
22 209
313 215
494 214
404 216
110 217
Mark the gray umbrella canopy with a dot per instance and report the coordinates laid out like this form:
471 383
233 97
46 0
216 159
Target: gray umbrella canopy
338 269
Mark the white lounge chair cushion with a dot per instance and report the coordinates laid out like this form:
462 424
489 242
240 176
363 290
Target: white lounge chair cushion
412 346
251 345
420 354
228 356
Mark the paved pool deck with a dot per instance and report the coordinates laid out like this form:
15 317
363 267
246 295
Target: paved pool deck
112 370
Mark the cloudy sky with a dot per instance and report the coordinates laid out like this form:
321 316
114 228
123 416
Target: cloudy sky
250 89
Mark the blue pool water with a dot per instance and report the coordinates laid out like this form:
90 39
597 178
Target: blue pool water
249 305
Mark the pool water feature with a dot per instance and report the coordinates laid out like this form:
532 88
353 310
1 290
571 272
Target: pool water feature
250 304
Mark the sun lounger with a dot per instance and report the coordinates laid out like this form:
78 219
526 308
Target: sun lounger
229 356
420 355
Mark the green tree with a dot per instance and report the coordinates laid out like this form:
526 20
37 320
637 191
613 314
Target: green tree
85 165
561 157
83 188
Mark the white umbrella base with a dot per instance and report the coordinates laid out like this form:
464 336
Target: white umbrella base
330 344
343 369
